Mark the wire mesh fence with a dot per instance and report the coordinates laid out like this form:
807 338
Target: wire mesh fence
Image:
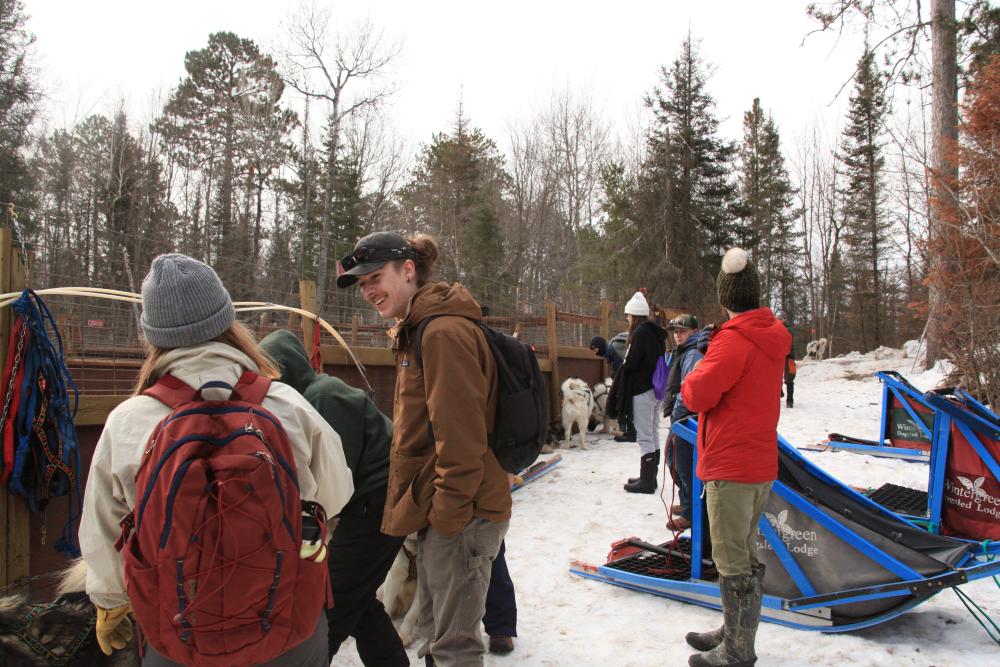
102 338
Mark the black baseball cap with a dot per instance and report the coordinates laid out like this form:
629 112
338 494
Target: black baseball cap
686 321
371 253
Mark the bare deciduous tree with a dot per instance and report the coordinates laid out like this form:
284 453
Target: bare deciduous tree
322 63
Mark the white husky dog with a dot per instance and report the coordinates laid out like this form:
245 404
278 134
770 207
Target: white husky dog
816 349
399 592
577 404
599 412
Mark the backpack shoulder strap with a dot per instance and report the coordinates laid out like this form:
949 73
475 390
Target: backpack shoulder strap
174 393
418 338
171 392
252 388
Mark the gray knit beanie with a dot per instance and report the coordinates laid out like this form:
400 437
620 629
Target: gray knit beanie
184 302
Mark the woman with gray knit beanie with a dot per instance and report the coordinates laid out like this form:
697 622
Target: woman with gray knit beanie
192 336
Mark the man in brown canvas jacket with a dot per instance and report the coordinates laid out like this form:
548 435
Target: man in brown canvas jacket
444 481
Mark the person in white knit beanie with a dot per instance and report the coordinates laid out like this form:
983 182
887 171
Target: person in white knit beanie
632 396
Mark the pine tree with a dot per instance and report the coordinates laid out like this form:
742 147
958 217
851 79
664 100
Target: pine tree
767 215
215 122
866 225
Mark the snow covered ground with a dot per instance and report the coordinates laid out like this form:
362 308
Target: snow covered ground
579 509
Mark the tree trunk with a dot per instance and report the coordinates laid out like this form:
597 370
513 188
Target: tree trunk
944 170
331 174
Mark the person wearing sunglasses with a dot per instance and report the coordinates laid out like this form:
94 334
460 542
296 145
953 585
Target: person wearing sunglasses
445 484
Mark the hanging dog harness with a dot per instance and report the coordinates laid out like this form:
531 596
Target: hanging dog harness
41 456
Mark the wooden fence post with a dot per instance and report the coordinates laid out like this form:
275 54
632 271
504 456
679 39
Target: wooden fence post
307 301
15 547
605 332
554 382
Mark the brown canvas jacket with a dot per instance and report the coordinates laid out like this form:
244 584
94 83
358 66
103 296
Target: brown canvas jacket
447 482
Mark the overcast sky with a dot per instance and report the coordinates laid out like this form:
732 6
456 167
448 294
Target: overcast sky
505 57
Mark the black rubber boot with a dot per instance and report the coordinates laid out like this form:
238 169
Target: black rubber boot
649 465
706 641
627 436
741 596
636 480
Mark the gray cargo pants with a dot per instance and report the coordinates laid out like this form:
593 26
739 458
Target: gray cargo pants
453 575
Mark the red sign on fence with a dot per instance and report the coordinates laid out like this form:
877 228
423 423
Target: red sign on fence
95 323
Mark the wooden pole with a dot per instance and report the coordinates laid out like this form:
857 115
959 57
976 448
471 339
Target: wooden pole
553 337
605 333
307 301
15 548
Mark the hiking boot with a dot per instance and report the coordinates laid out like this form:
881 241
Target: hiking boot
789 403
625 437
676 509
646 483
678 524
501 645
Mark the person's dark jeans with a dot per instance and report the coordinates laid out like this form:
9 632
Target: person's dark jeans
359 560
501 605
681 461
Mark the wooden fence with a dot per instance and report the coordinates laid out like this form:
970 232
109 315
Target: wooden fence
103 382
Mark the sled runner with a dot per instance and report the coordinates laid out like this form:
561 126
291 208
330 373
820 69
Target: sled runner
836 560
534 471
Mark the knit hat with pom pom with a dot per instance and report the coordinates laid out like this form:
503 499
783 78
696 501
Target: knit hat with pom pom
738 284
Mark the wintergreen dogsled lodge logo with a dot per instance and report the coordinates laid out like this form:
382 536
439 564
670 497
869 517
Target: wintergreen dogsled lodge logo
969 494
802 542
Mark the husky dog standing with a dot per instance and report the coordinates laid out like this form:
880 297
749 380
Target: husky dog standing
578 403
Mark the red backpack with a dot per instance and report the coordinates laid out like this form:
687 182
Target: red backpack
211 549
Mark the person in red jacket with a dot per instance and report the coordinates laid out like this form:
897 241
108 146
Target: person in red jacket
735 391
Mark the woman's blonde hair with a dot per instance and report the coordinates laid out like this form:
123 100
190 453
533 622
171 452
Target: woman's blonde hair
237 336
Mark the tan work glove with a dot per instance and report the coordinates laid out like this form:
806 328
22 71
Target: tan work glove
114 628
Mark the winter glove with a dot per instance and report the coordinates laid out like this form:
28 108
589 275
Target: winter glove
114 628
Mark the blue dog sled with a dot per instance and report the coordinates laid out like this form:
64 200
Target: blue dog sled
836 560
959 438
906 430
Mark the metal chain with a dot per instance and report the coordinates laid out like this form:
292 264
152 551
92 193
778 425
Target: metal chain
13 374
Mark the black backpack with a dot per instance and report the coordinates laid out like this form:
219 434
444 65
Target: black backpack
522 403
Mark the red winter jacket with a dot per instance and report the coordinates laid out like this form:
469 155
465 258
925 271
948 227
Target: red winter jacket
736 392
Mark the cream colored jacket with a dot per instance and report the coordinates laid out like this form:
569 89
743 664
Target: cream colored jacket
110 494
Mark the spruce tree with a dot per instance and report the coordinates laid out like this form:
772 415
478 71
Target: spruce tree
457 193
863 194
767 213
687 191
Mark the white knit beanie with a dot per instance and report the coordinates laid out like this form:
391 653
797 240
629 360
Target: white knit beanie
637 305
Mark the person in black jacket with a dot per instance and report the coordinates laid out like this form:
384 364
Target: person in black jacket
789 363
632 392
360 554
